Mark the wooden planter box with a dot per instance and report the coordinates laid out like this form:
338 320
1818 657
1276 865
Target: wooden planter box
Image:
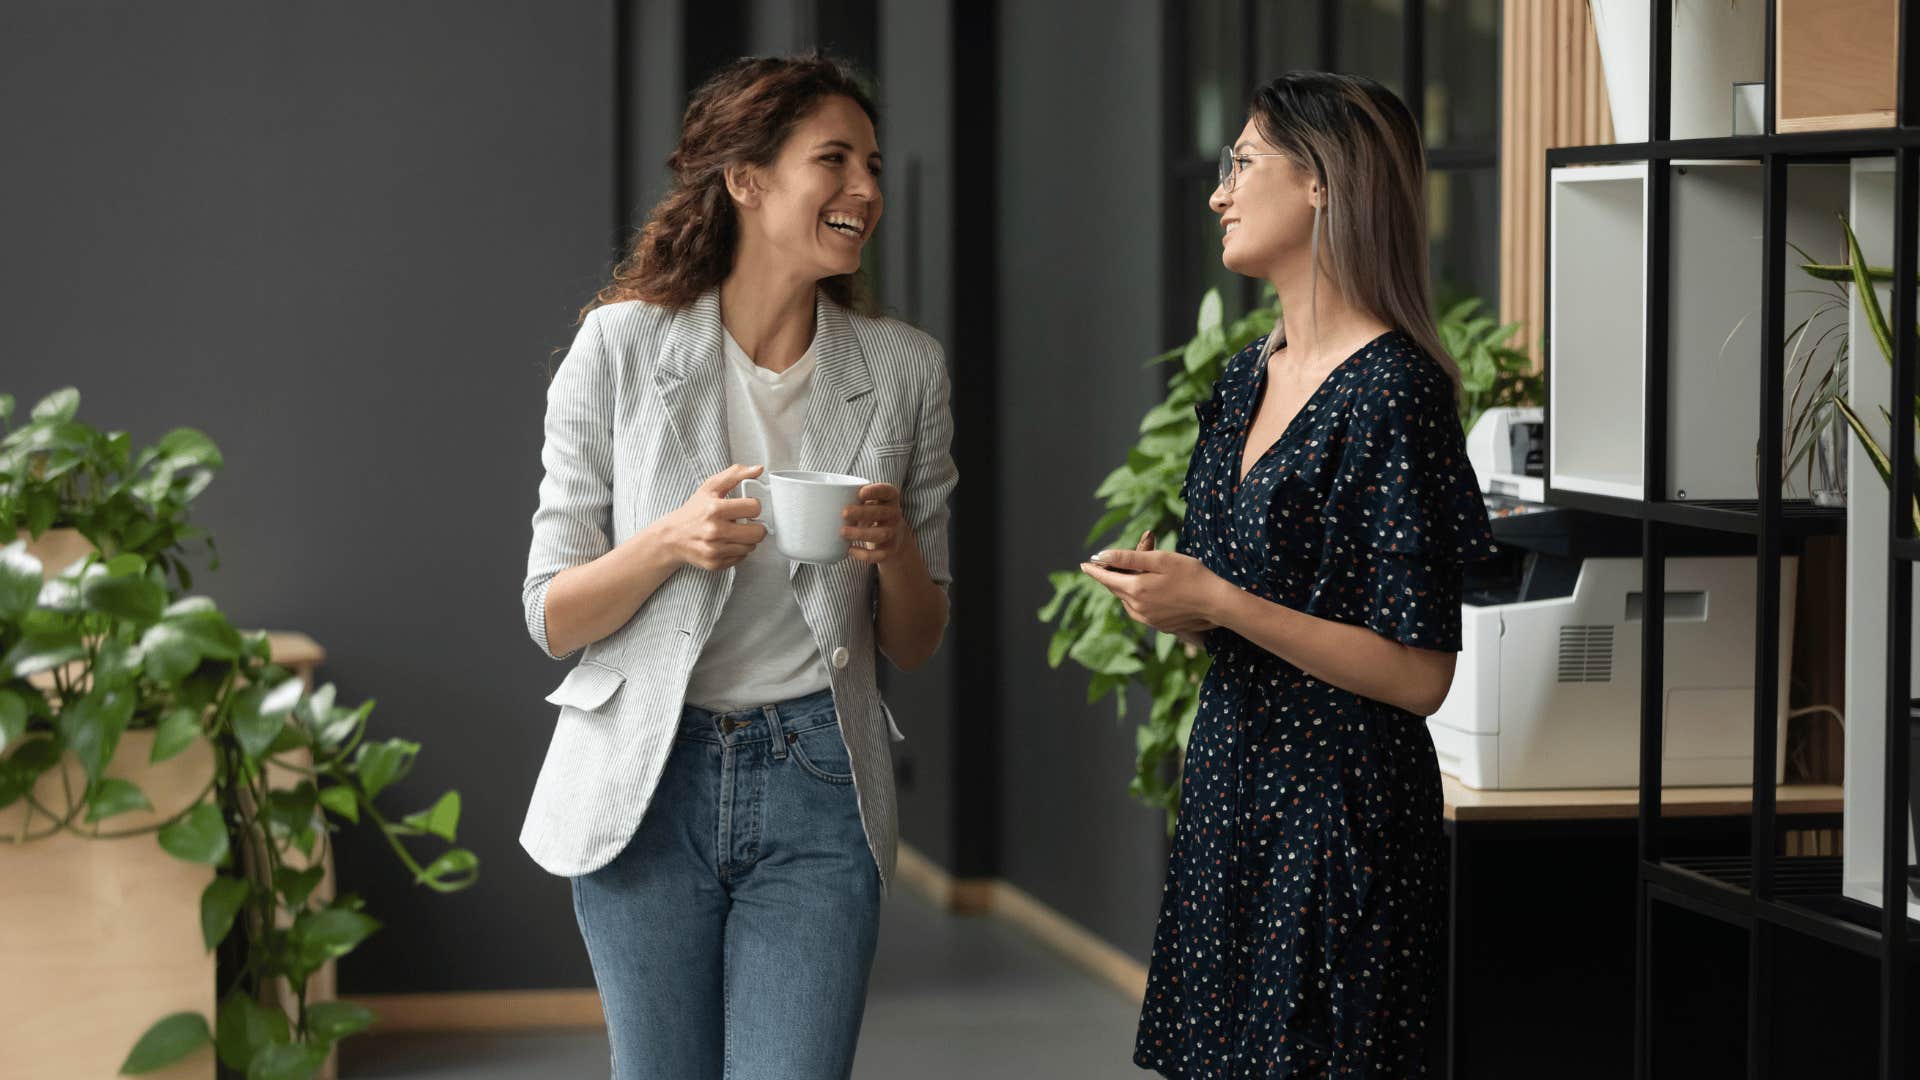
101 936
1834 64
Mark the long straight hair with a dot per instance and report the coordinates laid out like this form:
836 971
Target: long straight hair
1362 145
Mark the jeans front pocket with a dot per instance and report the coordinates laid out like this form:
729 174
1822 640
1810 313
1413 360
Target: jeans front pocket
822 752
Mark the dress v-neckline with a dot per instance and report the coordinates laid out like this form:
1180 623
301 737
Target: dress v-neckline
1307 406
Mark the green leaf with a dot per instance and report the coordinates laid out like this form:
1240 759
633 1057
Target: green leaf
20 578
116 665
316 708
1107 654
126 563
328 934
189 448
380 764
42 650
177 731
259 712
341 802
1869 299
462 866
1212 312
289 1061
112 796
167 1041
334 1020
198 837
91 726
58 406
22 768
297 885
441 820
13 718
1063 640
290 810
128 597
220 903
244 1026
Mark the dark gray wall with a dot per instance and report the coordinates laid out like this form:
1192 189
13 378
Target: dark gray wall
343 239
916 240
1079 302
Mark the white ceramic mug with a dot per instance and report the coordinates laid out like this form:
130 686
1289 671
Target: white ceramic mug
801 511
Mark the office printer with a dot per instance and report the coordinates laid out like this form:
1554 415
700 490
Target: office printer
1546 693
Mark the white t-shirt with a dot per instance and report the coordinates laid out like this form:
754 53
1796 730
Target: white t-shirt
760 651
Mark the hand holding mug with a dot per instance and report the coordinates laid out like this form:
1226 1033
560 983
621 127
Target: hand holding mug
706 531
876 527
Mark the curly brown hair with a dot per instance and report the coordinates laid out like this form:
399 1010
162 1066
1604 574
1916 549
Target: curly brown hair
742 115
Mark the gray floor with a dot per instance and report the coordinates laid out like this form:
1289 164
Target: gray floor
951 998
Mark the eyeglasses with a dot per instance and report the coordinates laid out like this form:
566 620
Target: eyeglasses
1230 166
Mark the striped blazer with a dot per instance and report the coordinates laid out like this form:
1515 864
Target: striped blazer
636 419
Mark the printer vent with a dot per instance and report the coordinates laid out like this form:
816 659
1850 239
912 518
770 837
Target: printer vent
1586 654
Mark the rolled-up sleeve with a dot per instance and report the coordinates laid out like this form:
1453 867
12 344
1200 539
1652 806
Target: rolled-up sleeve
574 521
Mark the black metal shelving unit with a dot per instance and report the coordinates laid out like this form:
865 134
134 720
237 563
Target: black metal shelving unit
1765 893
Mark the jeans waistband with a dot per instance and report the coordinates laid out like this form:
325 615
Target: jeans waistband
757 721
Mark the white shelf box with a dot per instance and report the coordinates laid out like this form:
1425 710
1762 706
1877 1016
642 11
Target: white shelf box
1716 44
1596 354
1869 389
1596 362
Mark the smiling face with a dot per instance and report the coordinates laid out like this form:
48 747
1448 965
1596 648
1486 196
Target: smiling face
814 206
1267 219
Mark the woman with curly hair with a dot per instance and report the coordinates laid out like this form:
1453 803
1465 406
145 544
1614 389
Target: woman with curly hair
719 788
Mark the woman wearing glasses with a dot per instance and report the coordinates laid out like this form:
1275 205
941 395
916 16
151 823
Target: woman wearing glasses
1330 509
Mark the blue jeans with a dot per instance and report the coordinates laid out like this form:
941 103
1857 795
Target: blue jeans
733 936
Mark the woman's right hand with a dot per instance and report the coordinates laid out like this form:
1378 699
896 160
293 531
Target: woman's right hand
705 531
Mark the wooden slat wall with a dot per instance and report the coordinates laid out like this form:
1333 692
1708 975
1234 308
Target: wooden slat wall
1552 94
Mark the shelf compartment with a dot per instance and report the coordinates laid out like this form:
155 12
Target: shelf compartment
1870 388
1806 890
1798 518
1596 355
1834 64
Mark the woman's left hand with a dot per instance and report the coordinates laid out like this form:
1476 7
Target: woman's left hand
1171 592
876 527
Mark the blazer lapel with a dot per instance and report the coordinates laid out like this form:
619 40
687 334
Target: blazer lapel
840 405
689 379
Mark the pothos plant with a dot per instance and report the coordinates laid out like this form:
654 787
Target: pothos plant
113 644
1093 630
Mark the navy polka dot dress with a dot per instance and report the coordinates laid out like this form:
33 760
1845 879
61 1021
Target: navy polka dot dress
1301 929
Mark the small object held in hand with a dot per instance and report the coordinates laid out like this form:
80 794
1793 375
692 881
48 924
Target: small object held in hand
1095 560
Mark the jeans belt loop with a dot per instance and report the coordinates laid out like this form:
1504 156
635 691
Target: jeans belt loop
775 736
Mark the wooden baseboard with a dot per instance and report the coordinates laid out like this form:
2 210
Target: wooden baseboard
523 1010
974 896
485 1010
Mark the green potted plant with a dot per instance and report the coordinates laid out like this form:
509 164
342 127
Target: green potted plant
113 644
1862 277
1143 494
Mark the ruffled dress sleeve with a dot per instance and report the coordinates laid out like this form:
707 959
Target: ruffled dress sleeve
1404 514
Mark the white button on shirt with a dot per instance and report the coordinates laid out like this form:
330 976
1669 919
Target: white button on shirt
839 656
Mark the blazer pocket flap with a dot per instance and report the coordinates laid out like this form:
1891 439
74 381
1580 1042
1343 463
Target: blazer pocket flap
892 449
587 686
